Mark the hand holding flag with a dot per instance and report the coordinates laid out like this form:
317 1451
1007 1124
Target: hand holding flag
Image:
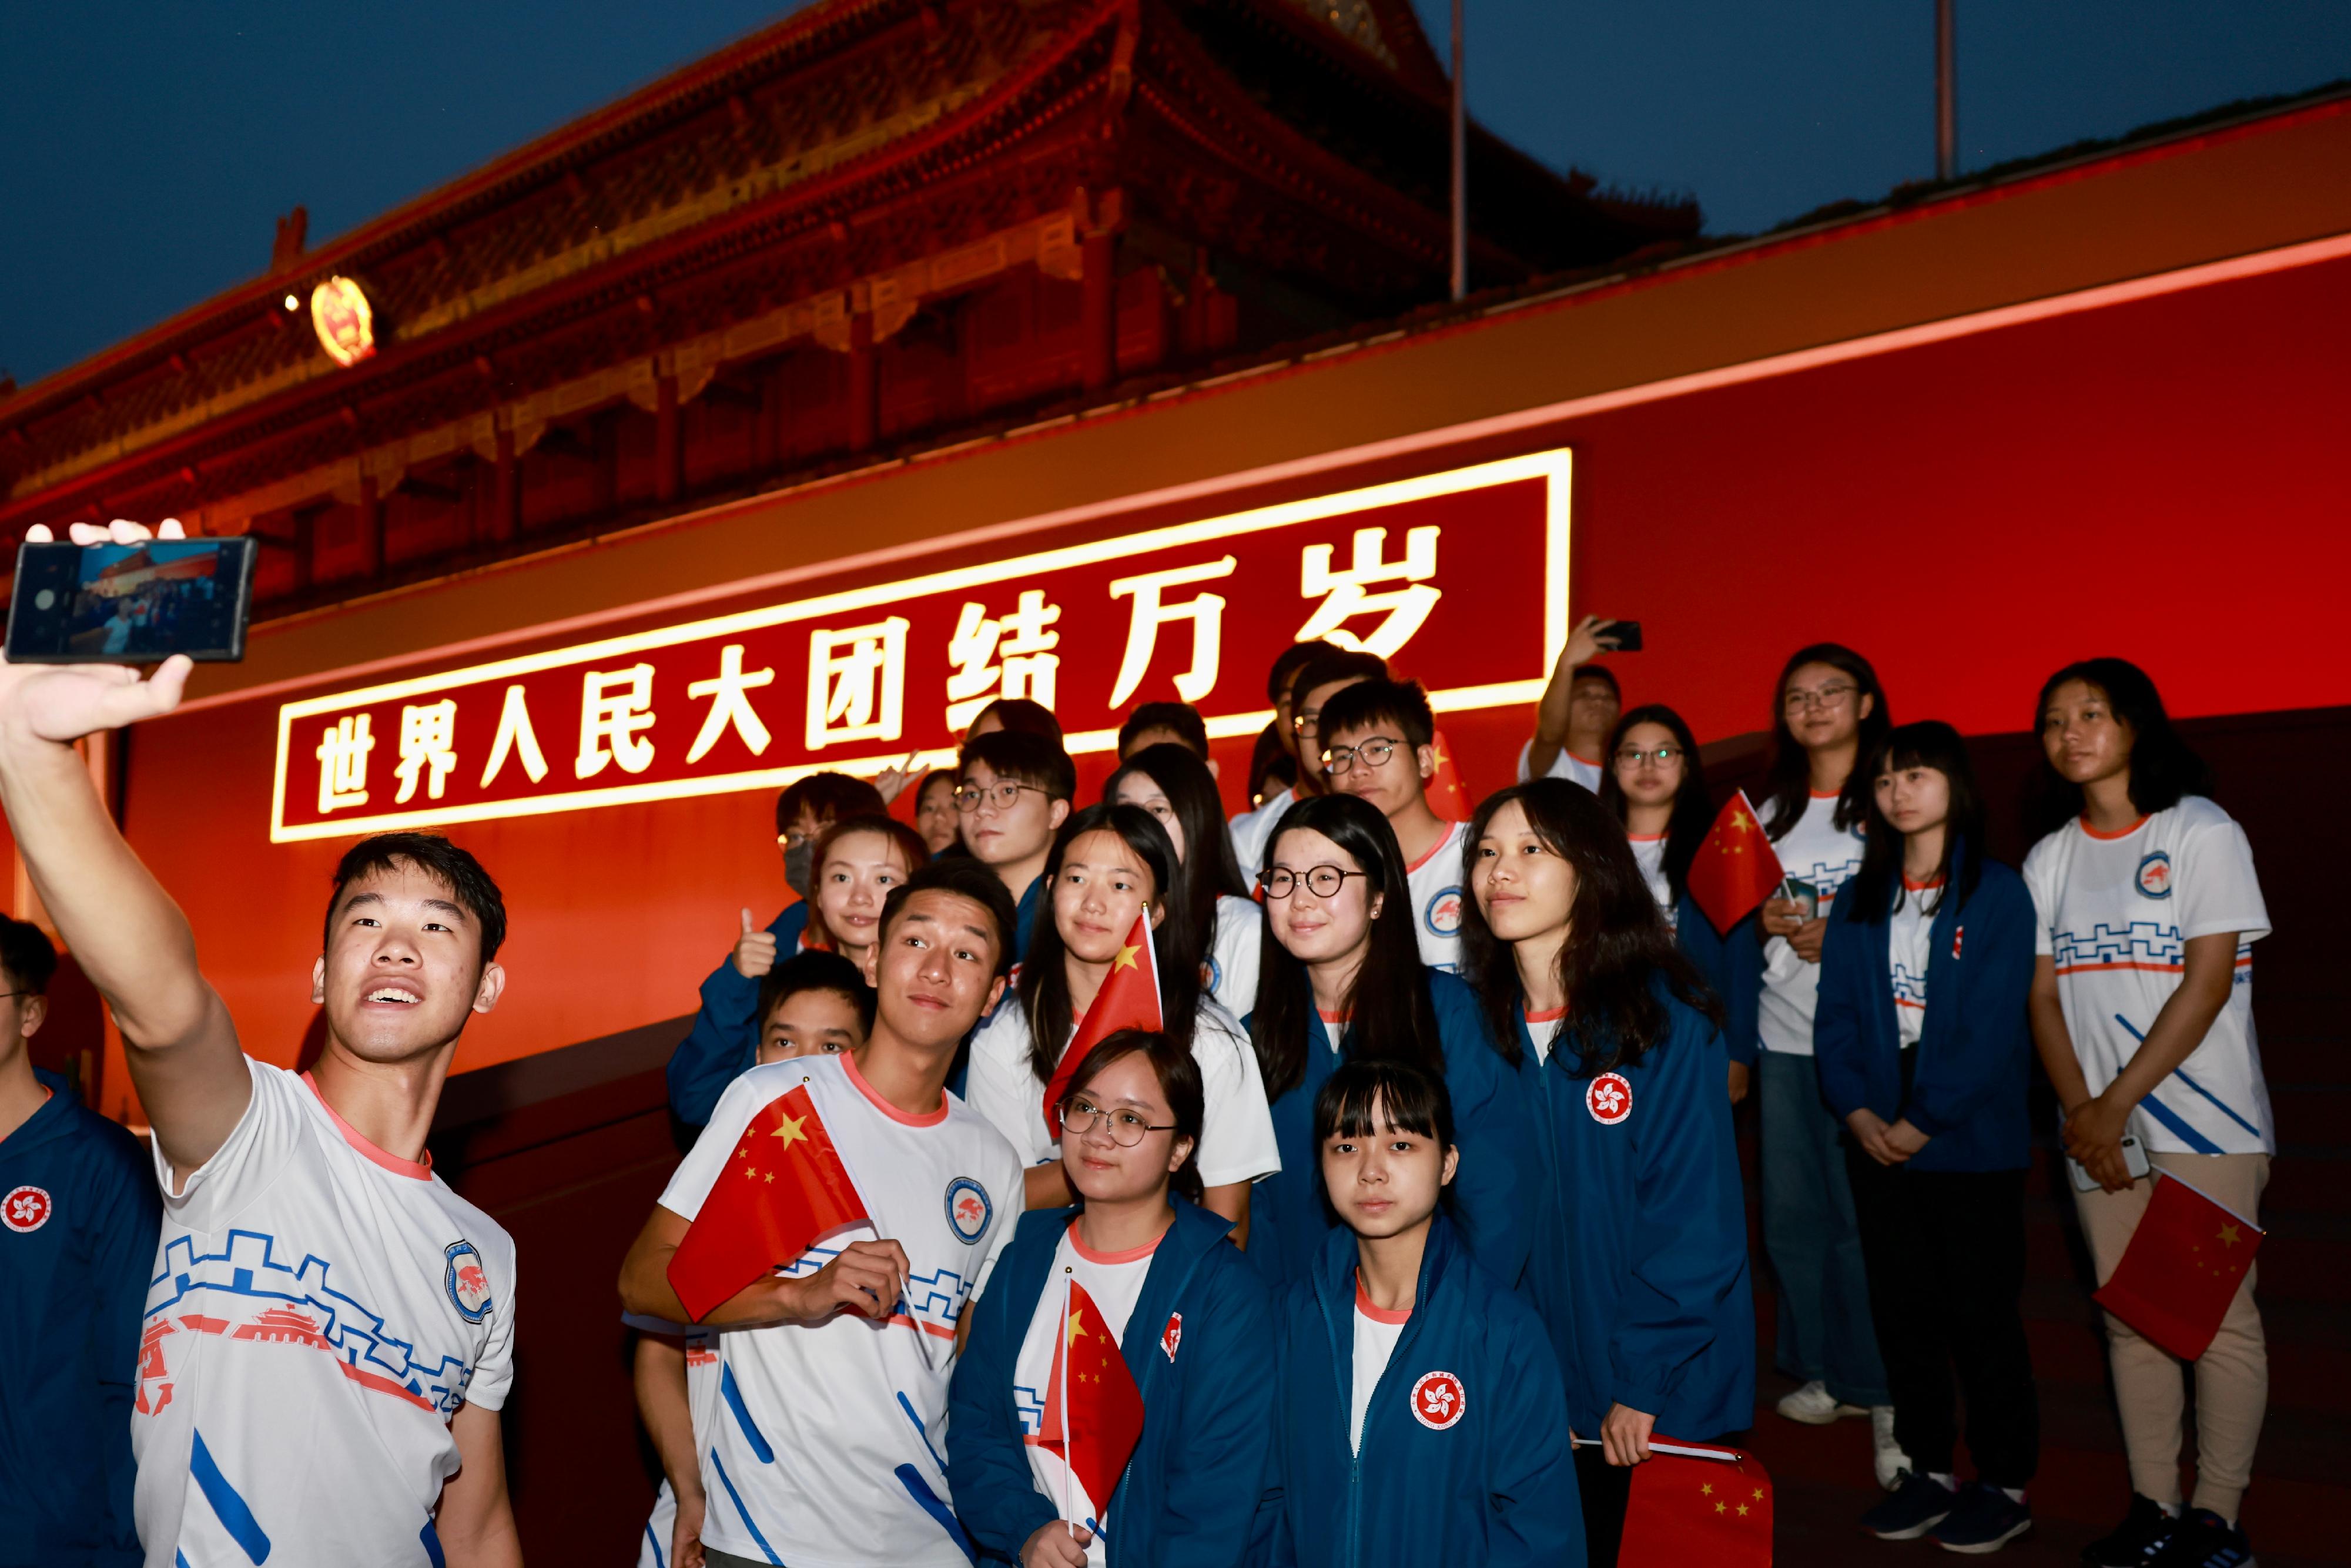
2182 1268
1129 999
1736 869
784 1185
1093 1412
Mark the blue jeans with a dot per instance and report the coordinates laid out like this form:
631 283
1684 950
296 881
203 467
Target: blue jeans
1811 1236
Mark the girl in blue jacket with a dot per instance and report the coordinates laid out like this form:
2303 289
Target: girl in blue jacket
1653 785
1639 1264
1193 1321
1923 1039
1420 1416
1340 979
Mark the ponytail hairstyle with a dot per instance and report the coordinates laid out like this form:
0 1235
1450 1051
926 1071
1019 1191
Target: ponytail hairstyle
1619 948
1044 978
1391 1017
908 844
1788 786
2163 766
1209 871
1179 1079
1878 888
1693 815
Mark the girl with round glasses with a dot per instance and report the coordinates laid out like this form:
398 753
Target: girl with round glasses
1339 979
1173 785
1654 787
1192 1323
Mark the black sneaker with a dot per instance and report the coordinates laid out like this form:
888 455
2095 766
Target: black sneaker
2202 1540
1916 1504
2133 1544
1986 1520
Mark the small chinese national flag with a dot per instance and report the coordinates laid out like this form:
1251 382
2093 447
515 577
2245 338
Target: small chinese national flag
2181 1269
1445 796
1713 1511
1129 999
1093 1412
784 1185
1736 869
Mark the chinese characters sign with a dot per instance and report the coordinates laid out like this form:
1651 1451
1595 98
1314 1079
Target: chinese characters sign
1458 579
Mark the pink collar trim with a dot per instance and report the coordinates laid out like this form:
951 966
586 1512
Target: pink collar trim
1645 837
1825 794
2119 833
1591 762
873 1098
1377 1315
1553 1016
414 1170
1442 839
1132 1255
1331 1017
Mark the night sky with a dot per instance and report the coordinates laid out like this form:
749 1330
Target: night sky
150 145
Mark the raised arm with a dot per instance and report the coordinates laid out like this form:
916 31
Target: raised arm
1551 711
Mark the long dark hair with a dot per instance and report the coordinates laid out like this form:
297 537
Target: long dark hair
1209 871
1044 982
1618 943
1390 1015
1693 814
1173 1064
2163 765
1878 888
1788 786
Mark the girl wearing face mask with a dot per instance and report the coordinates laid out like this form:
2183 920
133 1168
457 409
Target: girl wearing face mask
1340 979
1420 1418
1107 865
1922 1043
1639 1267
1173 785
858 861
1191 1319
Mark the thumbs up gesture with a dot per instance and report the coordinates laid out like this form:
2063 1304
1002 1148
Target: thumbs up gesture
755 950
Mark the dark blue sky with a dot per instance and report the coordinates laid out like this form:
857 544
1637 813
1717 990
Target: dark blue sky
148 143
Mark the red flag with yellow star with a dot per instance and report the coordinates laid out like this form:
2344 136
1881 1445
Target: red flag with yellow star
1736 869
1715 1511
1445 796
2182 1268
1129 999
784 1185
1093 1411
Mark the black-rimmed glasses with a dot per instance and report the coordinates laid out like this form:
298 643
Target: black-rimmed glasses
1001 794
1321 880
1372 753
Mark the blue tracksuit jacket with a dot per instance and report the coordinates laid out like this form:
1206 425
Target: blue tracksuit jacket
1190 1496
1639 1269
1695 934
1494 1485
1967 1091
79 1214
1287 1219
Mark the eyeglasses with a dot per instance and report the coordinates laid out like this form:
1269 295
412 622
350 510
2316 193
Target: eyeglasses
1322 881
5 995
1306 721
1831 697
1001 794
1372 753
1634 757
1080 1115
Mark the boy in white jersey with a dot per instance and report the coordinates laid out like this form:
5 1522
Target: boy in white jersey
1579 708
1379 741
330 1333
827 1453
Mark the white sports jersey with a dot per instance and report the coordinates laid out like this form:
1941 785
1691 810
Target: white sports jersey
1114 1281
1572 768
1910 944
1649 854
701 1401
1235 1129
1376 1333
1253 831
2115 914
830 1445
321 1312
1818 851
1435 882
1232 960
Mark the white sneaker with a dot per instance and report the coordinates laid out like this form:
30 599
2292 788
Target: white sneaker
1890 1458
1814 1406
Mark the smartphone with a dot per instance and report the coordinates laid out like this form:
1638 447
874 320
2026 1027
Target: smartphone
1806 898
2134 1161
131 604
1626 632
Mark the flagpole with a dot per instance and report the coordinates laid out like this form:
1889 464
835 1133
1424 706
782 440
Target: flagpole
1068 1428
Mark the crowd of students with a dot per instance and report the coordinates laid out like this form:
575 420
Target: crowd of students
1414 1224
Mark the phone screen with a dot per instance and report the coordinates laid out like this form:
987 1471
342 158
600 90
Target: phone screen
131 604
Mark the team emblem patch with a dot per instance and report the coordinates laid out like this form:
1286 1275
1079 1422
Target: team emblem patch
468 1282
2155 874
1444 912
1438 1401
26 1209
1609 1098
969 1208
1173 1334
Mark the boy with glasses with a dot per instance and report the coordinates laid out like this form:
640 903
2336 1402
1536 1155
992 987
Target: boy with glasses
1013 793
1318 677
1380 743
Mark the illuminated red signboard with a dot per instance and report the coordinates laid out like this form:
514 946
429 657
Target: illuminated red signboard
1459 579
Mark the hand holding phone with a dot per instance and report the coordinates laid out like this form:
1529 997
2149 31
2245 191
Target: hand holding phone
120 595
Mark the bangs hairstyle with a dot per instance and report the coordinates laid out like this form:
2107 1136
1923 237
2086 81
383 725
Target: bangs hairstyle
1208 870
1182 719
1044 980
27 955
2163 766
1179 1080
1401 1096
903 839
1391 1017
815 971
1370 704
827 797
1787 785
1879 886
1035 760
1619 948
966 878
437 858
1693 814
